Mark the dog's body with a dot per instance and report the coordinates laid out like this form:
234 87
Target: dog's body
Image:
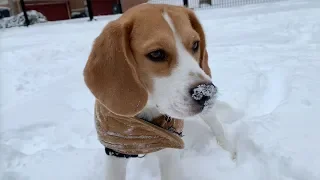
150 62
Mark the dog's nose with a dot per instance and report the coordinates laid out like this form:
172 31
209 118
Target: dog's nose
202 93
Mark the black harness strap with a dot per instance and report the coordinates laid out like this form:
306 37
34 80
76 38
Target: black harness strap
111 152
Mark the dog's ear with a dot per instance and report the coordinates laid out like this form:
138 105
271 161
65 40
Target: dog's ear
204 63
203 51
110 72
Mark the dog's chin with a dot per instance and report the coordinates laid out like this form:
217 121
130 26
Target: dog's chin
184 108
183 115
190 111
182 112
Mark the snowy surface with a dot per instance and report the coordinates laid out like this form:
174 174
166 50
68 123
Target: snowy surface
264 60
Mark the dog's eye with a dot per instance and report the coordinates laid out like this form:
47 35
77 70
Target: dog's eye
195 46
157 56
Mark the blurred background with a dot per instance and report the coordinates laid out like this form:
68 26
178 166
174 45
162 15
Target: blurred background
26 12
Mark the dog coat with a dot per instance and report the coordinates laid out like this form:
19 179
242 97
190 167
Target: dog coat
133 136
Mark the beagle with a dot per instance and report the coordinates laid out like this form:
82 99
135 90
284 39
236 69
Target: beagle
151 61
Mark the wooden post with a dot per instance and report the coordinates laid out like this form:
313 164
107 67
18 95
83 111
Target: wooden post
90 11
23 7
186 3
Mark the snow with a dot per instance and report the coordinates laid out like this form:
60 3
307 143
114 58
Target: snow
19 19
264 60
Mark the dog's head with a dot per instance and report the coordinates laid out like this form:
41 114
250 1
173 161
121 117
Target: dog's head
153 55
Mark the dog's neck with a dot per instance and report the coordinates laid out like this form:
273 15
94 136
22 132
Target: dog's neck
150 112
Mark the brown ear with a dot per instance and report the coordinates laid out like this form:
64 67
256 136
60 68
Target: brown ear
110 72
204 63
203 51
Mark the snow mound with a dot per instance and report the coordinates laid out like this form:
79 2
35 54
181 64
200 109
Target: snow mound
34 17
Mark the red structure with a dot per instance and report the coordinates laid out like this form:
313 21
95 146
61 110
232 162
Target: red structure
54 10
102 7
60 9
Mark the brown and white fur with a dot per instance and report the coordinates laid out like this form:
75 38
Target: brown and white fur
144 64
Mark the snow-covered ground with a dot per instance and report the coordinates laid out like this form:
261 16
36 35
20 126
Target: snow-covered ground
264 59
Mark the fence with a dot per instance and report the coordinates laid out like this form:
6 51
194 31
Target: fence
208 4
115 6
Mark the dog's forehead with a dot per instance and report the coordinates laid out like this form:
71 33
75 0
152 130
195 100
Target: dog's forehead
149 20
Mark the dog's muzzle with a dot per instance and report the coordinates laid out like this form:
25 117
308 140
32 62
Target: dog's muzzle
203 94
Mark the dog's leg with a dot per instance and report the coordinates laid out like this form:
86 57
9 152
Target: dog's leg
218 130
213 120
169 164
116 168
221 111
216 127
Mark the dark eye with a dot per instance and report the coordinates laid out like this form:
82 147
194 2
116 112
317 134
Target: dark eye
157 56
195 46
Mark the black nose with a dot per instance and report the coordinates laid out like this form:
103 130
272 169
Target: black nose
203 93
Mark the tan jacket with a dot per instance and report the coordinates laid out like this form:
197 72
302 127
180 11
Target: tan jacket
136 136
